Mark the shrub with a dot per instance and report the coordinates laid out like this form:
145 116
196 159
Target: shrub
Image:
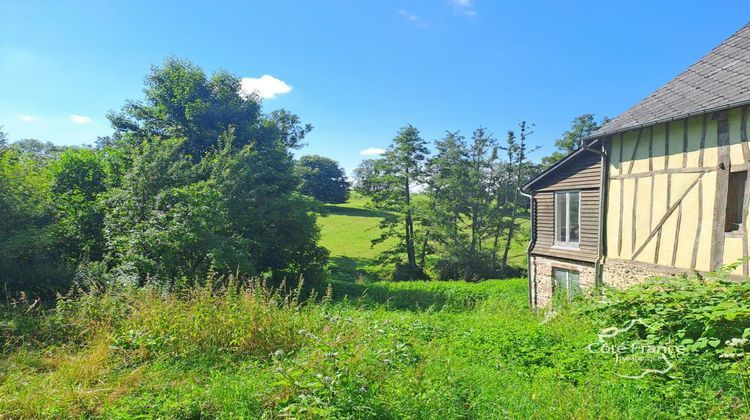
705 314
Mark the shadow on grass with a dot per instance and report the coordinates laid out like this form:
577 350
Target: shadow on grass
351 269
353 279
416 299
353 211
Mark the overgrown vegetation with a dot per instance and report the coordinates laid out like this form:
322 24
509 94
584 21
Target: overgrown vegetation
156 274
383 350
195 181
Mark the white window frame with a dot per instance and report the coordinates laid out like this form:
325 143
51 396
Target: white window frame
567 272
567 242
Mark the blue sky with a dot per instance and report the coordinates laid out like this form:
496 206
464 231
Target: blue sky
358 70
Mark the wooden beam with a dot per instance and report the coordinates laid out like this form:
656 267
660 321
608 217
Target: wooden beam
635 149
651 148
634 215
666 145
619 230
666 215
619 157
722 188
676 235
697 241
702 147
743 135
746 198
684 142
740 167
666 171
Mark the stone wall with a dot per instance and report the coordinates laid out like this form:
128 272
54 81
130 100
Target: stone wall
622 274
542 283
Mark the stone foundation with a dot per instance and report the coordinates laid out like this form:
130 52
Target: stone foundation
542 283
622 274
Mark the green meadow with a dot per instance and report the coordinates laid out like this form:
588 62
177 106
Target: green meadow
356 348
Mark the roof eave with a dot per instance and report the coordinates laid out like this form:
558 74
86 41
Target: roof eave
553 168
602 136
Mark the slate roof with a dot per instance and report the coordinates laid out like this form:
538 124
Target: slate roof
719 80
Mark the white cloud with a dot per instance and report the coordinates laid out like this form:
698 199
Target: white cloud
266 86
79 119
27 118
463 7
372 151
411 17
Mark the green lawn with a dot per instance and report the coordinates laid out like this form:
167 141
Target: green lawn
348 229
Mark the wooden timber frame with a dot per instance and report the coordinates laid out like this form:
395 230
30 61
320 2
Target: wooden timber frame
668 193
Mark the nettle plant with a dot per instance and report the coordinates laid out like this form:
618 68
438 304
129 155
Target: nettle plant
704 314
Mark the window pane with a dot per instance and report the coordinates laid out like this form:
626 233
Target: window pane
573 286
561 278
573 217
560 219
735 201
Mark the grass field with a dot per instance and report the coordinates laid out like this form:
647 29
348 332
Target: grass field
367 349
348 229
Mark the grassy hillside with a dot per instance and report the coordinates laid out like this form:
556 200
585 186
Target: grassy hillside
348 229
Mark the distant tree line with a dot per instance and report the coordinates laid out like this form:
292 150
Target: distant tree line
457 210
197 182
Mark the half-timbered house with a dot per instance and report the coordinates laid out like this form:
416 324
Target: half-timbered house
661 189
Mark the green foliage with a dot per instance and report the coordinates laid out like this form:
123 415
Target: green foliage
387 350
367 177
323 179
29 256
3 138
399 170
703 314
581 127
79 182
195 181
39 150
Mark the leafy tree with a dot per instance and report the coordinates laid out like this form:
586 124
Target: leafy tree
367 176
78 184
323 179
29 260
204 182
399 170
38 149
518 171
460 185
581 127
3 138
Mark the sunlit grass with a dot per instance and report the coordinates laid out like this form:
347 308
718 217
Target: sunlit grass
386 350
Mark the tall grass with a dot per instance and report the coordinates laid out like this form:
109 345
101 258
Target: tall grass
407 350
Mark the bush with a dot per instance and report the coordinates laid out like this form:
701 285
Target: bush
706 315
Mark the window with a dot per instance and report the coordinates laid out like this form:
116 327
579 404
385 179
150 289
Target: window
566 280
735 201
567 217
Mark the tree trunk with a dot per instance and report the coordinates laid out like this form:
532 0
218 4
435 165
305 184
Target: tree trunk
511 229
410 254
